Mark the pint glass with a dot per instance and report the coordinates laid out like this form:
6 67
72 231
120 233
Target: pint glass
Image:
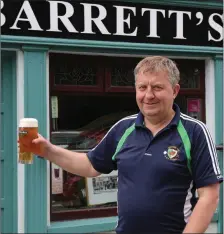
28 130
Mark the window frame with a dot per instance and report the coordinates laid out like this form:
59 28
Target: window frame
103 90
72 88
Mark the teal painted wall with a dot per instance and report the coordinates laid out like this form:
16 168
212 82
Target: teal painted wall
219 125
219 98
111 47
9 215
36 107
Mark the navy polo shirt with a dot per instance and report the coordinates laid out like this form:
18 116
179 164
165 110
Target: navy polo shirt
156 193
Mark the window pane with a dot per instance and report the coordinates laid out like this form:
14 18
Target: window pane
65 75
190 73
74 70
83 121
122 73
122 77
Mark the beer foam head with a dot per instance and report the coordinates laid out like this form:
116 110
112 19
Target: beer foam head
28 123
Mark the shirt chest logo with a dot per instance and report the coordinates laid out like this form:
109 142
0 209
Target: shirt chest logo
172 153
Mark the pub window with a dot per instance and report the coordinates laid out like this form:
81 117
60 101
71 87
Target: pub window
88 94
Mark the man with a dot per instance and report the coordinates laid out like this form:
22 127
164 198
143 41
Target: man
165 156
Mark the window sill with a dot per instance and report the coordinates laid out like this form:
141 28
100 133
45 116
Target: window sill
90 225
84 225
100 212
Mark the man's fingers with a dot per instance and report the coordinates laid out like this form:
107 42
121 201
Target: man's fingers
36 141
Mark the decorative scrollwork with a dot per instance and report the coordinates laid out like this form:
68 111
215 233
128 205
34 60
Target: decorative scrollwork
122 77
76 76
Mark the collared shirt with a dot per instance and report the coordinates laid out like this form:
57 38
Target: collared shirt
156 191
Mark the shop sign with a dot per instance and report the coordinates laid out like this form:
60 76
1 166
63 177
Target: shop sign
113 21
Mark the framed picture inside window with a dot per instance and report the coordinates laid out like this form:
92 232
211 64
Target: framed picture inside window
102 189
57 179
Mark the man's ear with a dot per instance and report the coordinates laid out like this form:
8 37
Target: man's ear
176 90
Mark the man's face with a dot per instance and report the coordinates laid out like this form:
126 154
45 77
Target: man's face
155 94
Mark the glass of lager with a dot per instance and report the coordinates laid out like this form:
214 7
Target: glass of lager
28 130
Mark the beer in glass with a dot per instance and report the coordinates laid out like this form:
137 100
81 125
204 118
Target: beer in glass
28 130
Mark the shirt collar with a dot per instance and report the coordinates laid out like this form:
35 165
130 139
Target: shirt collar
174 122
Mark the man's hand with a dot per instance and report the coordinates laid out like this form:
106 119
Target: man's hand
40 146
76 163
204 209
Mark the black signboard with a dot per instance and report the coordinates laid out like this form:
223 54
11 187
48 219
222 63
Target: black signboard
113 21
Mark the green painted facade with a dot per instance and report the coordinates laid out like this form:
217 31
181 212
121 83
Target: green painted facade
36 98
36 106
219 125
8 144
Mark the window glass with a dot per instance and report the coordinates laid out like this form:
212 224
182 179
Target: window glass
75 75
83 121
122 77
190 73
81 118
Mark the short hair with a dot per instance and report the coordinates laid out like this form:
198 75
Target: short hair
155 64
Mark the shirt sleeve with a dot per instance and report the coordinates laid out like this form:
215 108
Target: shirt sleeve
101 156
205 165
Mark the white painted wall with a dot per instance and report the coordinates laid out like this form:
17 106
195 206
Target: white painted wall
210 96
20 114
48 137
213 228
210 112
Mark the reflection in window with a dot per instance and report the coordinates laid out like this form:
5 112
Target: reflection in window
88 136
190 73
83 122
190 79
